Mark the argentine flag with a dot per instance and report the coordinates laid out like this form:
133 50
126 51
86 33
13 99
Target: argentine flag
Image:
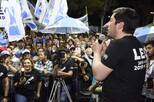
40 8
27 16
57 10
14 26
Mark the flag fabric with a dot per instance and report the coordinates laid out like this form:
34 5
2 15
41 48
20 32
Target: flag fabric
14 26
46 16
84 19
25 12
57 10
40 8
31 24
3 39
3 21
31 8
2 17
63 8
27 16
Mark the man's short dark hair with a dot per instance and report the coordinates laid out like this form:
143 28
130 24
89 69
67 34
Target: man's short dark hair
129 17
149 42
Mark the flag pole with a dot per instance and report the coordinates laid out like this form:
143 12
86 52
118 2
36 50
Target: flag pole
86 10
0 3
152 13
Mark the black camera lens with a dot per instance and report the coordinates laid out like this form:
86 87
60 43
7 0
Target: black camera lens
82 63
62 55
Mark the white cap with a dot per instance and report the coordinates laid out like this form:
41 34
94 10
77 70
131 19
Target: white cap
5 52
25 51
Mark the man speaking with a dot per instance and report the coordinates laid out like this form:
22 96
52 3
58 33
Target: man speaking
123 63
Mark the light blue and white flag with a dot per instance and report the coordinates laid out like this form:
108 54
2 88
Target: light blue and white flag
57 10
25 12
3 39
63 8
2 17
46 12
3 21
14 26
31 8
27 16
40 8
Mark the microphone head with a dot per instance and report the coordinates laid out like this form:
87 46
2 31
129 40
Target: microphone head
101 38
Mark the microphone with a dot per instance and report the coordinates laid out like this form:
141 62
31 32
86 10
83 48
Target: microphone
101 38
103 34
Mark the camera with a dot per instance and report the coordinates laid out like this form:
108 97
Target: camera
59 56
82 63
62 55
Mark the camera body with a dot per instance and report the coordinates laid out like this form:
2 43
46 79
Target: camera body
59 56
82 63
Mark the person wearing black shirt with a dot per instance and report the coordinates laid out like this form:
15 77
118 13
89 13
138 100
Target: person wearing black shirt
4 73
121 65
4 84
27 82
65 71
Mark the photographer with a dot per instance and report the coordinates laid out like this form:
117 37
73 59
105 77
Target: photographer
27 82
65 70
83 74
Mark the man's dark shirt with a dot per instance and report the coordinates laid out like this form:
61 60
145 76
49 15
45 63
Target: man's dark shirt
128 60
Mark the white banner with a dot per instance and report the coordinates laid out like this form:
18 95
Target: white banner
57 10
14 26
40 8
27 16
2 17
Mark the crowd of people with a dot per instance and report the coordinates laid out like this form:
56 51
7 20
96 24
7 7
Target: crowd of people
34 62
30 66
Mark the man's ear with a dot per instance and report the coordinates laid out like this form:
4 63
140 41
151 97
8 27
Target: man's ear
120 25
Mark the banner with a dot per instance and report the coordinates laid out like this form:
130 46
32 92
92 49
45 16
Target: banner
3 39
31 8
57 10
2 17
25 12
14 26
27 16
40 8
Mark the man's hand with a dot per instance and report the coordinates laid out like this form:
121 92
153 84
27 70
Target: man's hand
38 95
99 48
